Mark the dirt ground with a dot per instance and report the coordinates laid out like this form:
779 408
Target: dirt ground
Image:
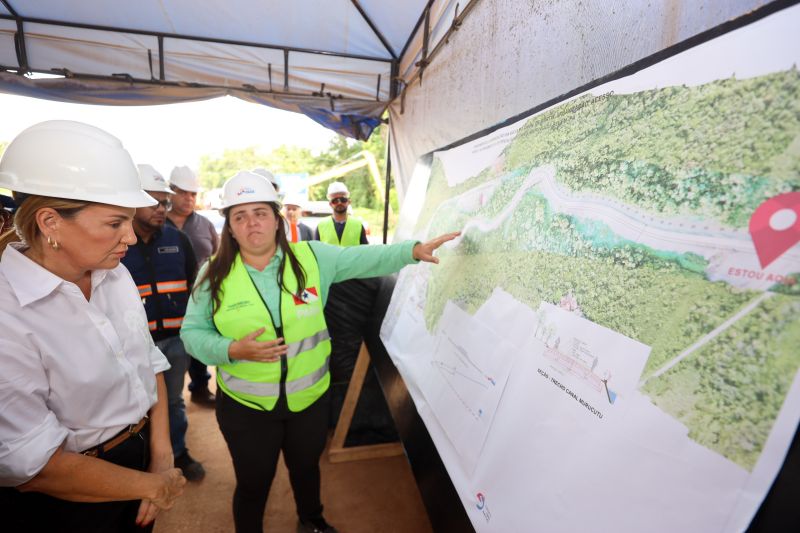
375 495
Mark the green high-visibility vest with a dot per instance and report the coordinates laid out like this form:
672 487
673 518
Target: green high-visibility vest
351 236
242 311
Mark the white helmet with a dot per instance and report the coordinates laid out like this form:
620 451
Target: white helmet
294 199
337 187
246 187
184 178
261 171
72 160
152 180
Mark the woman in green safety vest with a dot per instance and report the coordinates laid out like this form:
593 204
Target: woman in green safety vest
257 314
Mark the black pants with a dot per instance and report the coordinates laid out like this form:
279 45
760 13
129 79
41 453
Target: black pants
34 512
198 375
255 439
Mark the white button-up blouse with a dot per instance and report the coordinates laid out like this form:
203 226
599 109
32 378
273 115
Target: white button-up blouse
72 371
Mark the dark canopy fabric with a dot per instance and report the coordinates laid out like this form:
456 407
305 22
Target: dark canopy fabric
349 117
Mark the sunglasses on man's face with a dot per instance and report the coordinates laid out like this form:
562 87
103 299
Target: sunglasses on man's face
340 200
166 204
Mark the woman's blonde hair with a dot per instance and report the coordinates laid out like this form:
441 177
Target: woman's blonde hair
25 227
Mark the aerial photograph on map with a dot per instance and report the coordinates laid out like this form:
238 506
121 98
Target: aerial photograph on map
623 204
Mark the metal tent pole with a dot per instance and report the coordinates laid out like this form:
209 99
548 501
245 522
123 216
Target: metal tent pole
388 183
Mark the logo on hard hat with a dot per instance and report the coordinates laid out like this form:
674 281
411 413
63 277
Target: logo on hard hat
246 190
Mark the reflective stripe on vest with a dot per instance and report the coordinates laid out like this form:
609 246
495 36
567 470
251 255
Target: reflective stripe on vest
242 311
164 287
351 235
273 389
172 323
309 343
161 278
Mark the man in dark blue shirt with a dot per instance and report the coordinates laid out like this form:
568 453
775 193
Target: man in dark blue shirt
163 266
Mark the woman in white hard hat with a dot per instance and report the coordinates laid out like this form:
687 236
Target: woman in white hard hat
83 427
257 313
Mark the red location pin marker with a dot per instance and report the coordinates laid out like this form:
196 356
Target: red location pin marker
775 226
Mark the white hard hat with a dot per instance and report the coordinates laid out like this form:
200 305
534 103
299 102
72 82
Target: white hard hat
261 171
72 160
246 187
294 199
184 178
152 180
337 187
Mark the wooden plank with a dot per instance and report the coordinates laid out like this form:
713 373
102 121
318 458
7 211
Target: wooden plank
369 451
337 453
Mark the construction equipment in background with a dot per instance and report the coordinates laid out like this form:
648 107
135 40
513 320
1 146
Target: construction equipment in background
359 160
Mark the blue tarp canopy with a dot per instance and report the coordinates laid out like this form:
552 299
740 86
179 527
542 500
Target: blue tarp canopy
337 61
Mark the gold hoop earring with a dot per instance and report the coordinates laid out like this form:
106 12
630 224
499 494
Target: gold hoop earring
52 242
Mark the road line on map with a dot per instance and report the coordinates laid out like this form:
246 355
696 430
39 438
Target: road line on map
709 336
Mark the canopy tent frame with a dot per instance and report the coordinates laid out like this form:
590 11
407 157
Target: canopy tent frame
374 29
20 19
24 68
312 101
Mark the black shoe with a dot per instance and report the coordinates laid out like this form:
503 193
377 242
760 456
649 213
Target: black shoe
192 470
204 397
315 525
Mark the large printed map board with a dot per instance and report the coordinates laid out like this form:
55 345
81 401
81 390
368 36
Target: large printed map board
613 343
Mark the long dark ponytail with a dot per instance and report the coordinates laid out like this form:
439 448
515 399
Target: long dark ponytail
219 265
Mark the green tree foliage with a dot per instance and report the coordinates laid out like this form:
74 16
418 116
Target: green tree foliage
361 185
728 392
283 159
714 151
214 170
291 159
719 149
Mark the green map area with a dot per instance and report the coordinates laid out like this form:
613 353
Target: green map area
722 357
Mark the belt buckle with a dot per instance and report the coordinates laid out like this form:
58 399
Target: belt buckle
136 428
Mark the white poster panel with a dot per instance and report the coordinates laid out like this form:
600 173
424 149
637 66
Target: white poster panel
612 343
